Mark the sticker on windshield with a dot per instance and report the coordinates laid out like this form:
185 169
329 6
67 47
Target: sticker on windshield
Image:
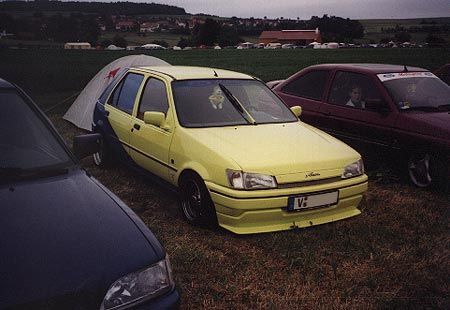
216 99
404 75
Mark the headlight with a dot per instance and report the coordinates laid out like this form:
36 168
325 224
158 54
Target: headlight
353 170
139 286
246 180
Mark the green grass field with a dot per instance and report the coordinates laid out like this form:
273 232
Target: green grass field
54 71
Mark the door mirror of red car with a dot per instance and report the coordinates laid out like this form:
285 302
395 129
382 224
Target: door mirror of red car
154 118
377 105
85 145
297 110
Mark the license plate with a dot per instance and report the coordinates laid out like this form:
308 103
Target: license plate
304 202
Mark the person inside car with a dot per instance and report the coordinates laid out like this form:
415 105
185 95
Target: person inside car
355 98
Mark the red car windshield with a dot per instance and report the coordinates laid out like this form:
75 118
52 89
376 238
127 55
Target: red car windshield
418 92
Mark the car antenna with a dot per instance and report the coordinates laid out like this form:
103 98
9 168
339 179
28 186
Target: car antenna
405 69
215 73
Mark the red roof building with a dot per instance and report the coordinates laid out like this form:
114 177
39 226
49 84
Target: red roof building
297 37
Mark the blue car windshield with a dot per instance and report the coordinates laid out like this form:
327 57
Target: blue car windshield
227 102
26 143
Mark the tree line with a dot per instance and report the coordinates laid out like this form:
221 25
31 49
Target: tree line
116 8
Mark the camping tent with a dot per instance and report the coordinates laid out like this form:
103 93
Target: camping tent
82 110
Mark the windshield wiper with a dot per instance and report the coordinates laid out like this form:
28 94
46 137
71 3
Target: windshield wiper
422 108
235 102
10 171
444 107
20 173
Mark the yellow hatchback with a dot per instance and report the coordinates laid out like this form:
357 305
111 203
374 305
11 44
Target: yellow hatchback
239 157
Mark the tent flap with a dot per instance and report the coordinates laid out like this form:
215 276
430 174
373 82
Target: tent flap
81 112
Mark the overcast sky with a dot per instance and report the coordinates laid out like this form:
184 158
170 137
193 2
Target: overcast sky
355 9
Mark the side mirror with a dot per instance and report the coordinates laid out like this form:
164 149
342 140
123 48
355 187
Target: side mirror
297 110
154 118
85 145
377 105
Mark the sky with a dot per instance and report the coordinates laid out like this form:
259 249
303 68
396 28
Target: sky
354 9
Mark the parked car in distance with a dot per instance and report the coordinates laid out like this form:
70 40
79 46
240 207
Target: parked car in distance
236 153
68 242
394 110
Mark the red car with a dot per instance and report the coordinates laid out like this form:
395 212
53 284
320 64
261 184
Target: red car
391 109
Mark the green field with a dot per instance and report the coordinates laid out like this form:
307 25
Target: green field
54 71
373 28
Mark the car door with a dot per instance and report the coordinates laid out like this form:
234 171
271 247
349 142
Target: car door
151 143
351 114
119 109
308 91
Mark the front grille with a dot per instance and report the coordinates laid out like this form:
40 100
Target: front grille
310 183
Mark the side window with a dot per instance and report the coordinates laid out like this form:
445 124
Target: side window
311 85
154 98
125 93
352 89
111 85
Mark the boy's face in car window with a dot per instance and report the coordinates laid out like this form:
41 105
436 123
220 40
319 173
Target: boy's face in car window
356 94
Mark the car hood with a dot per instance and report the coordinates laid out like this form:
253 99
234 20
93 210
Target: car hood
425 123
65 240
279 149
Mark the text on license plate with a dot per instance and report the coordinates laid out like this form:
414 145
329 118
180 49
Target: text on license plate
312 201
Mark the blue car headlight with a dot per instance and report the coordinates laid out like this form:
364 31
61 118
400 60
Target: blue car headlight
139 286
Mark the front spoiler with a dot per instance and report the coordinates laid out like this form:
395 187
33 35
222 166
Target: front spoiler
246 215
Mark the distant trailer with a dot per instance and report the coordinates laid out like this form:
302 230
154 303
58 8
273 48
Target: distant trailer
77 46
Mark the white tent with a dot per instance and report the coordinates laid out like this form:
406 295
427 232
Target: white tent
82 110
151 46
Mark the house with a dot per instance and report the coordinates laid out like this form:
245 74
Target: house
125 25
77 46
149 27
296 37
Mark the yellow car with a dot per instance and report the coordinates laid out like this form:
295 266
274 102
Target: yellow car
239 157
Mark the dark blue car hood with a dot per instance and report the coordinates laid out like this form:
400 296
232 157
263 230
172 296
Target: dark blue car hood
65 240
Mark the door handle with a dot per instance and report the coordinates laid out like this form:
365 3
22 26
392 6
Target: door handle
137 126
106 113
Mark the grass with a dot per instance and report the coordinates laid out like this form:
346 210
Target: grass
47 71
394 255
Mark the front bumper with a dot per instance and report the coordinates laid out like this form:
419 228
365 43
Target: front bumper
246 212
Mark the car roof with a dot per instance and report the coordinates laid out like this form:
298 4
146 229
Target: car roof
189 73
368 67
5 84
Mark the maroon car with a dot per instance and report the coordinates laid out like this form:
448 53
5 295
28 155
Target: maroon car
387 109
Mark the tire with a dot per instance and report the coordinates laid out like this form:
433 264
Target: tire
196 203
103 158
427 170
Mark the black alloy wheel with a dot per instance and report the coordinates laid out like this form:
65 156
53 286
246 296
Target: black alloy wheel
196 204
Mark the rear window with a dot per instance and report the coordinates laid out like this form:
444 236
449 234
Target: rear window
311 85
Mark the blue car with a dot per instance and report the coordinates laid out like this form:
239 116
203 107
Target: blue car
67 242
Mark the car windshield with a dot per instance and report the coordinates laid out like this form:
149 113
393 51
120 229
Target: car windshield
26 143
226 102
418 91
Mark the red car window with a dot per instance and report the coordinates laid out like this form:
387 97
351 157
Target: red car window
310 85
352 89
